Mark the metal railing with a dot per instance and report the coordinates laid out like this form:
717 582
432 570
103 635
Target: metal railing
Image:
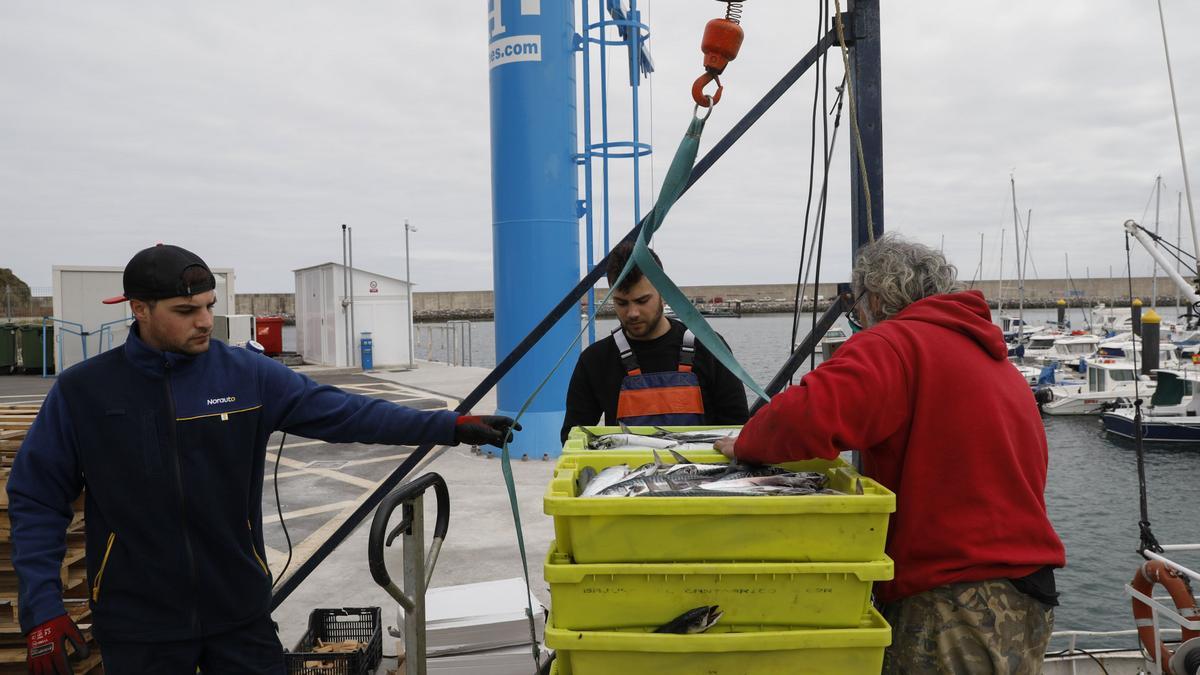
106 331
1163 610
63 327
1172 632
450 342
1073 650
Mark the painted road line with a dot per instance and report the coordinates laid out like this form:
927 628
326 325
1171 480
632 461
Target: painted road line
311 511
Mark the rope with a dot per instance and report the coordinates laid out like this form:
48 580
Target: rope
862 160
1147 541
812 358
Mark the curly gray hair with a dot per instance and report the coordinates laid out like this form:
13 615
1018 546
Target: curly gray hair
896 272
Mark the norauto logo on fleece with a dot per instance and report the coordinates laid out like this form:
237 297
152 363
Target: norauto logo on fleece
219 401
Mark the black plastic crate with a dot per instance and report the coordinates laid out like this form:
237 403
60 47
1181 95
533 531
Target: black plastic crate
334 625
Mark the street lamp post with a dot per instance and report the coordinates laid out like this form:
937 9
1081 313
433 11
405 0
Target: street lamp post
408 286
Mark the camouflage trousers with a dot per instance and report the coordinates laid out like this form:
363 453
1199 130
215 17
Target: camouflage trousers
968 628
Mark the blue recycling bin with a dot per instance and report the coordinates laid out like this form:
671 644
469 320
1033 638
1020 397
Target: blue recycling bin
366 349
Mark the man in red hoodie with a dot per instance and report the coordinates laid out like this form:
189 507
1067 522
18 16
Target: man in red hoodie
941 417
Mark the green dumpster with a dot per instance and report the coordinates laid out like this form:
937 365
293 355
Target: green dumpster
8 348
31 349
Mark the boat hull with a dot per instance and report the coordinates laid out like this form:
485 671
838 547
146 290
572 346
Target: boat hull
1156 429
1077 405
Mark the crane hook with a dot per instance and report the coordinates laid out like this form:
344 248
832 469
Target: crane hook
720 44
704 100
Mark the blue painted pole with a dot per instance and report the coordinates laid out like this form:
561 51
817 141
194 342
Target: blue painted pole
535 223
865 63
586 158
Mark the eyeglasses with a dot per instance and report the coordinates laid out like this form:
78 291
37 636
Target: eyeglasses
855 326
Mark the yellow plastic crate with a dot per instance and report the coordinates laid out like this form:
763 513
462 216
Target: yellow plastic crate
724 650
577 440
806 528
625 595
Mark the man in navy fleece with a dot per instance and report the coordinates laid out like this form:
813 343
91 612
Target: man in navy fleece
168 434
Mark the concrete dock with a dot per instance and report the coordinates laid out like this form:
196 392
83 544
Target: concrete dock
481 542
320 484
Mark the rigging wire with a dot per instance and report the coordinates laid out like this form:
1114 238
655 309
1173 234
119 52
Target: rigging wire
1000 264
1153 192
1149 200
1028 258
824 78
833 142
1172 249
812 163
1087 321
978 268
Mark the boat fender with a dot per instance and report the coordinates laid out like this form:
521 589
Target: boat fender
1186 660
1150 573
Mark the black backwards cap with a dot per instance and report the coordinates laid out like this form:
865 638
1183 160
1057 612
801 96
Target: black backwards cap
158 272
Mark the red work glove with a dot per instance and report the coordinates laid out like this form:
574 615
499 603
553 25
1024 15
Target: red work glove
48 646
484 429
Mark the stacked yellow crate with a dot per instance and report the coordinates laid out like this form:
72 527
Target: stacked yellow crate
15 420
792 575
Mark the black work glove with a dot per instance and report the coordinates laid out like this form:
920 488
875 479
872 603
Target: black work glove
484 429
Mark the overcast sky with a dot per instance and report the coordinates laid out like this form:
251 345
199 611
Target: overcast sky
249 132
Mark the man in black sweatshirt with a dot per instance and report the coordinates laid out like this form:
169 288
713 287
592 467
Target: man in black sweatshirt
651 370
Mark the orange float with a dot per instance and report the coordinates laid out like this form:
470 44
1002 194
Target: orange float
1156 572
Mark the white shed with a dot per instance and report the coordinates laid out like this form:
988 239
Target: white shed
78 291
323 313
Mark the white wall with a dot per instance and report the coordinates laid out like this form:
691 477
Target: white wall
321 327
316 318
78 292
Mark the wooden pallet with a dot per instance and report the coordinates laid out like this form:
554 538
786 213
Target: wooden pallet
10 629
15 420
14 424
5 528
12 662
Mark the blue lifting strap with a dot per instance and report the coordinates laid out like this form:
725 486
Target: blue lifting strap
673 186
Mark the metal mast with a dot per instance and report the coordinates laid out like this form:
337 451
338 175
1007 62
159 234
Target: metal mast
1020 276
1187 185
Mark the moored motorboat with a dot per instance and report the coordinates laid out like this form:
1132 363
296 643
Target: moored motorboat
1108 381
1173 415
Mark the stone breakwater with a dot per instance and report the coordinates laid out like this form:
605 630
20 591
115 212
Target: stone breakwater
440 306
778 307
777 298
